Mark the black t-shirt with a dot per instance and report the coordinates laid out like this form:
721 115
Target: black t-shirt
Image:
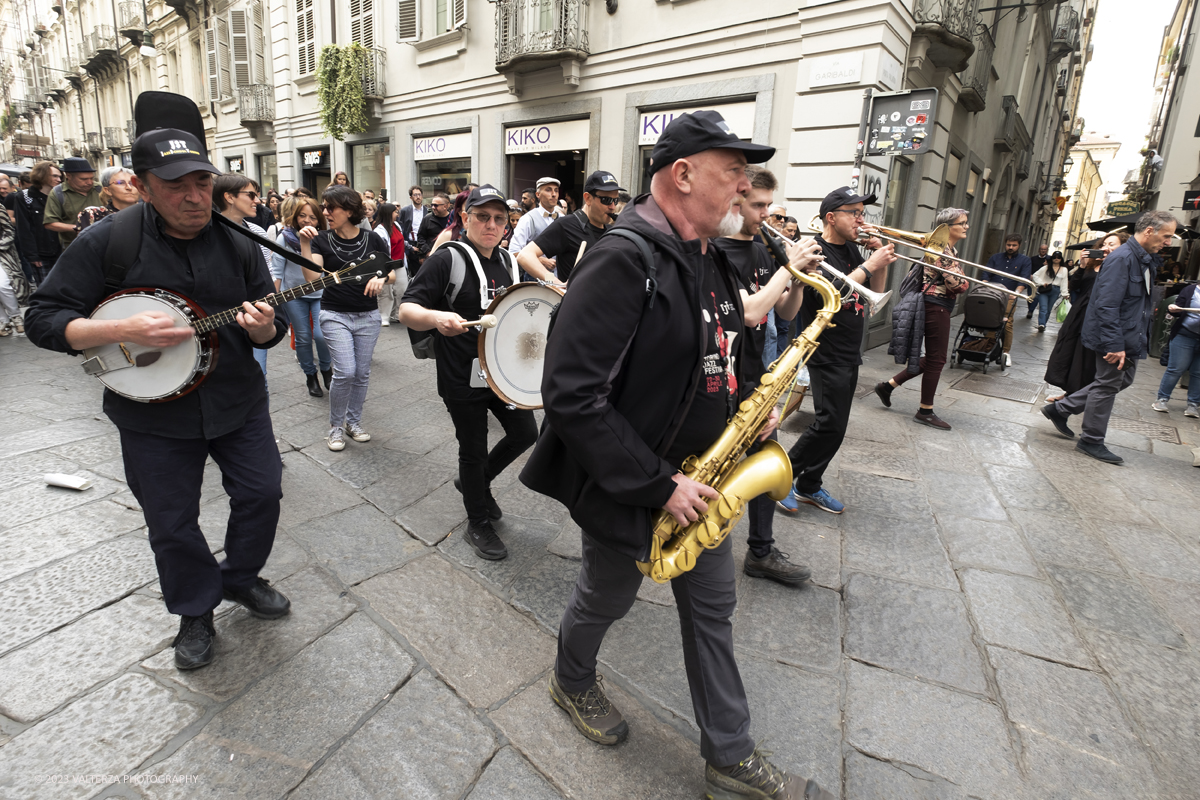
337 252
562 238
755 268
841 344
718 395
429 288
8 200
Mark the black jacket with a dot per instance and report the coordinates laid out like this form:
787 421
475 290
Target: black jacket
431 226
619 379
1187 299
1118 316
35 242
405 221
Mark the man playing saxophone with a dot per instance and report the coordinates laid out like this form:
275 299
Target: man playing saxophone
644 367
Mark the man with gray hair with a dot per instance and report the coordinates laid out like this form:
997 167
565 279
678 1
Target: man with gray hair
1116 328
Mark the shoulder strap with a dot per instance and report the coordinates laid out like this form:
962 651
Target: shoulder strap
458 270
124 245
462 249
647 260
58 192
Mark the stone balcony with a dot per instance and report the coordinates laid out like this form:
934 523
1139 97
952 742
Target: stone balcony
535 34
945 33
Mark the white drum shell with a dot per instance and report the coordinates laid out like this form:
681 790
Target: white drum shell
512 353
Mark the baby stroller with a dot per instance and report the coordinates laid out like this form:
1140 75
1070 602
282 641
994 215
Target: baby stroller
980 338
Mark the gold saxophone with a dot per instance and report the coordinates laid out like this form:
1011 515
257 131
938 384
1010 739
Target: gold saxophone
673 551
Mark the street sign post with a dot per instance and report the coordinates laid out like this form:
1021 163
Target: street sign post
901 123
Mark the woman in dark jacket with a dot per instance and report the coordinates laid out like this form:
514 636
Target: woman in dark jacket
1184 353
40 247
1073 366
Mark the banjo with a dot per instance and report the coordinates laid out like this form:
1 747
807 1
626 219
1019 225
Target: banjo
156 375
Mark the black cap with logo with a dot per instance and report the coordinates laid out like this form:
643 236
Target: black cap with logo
844 196
170 153
601 181
698 131
484 194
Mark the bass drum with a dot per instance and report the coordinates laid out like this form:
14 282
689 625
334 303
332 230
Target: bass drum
512 353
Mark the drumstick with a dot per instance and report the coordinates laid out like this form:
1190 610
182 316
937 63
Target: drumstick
486 321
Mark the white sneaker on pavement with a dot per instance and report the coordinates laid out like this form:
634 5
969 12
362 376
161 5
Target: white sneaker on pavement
1160 405
1192 411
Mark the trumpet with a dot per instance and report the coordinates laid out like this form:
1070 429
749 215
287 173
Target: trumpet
876 300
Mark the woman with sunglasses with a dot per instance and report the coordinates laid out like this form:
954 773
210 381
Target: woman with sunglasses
303 313
349 314
236 198
939 292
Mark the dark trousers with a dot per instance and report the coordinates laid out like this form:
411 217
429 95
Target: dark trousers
832 387
937 339
477 467
705 598
761 511
1095 401
165 475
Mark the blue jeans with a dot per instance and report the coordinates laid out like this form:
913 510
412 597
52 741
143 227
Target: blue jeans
1185 355
260 356
1045 302
307 333
769 345
351 338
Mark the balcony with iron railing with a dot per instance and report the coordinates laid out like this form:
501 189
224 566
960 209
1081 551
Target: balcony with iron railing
256 107
534 34
1065 33
93 141
112 139
975 78
946 31
72 147
100 49
131 130
131 25
1061 83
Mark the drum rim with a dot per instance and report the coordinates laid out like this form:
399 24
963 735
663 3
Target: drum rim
481 346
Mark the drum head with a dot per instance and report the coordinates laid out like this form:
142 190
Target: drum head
173 368
513 352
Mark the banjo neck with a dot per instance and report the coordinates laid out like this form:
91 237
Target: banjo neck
214 321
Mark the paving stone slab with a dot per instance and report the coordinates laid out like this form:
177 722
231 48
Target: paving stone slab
524 502
108 732
32 501
870 458
36 543
990 450
1100 601
248 647
796 625
510 776
31 468
526 540
410 484
424 438
308 493
1153 551
947 733
1023 614
966 495
1102 503
1060 772
433 517
818 547
482 648
656 762
569 542
908 549
1173 515
797 715
14 444
424 744
368 465
39 677
358 543
889 497
286 559
544 589
1066 541
948 453
263 743
38 602
991 545
90 452
1181 601
870 779
1072 707
1028 489
912 629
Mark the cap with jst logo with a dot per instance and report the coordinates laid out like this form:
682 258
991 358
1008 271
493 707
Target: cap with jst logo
170 153
698 131
601 181
484 194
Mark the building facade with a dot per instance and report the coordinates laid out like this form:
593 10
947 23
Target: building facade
1084 187
511 90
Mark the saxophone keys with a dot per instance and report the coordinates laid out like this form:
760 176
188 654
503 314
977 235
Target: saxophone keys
685 560
725 508
708 533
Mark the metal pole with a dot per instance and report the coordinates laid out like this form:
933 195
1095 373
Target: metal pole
864 125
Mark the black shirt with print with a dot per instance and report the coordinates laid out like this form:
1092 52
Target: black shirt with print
719 393
562 238
339 253
429 288
841 344
755 268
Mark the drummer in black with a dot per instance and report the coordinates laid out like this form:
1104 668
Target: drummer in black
435 301
569 235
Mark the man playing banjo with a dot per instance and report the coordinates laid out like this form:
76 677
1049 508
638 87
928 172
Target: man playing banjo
165 444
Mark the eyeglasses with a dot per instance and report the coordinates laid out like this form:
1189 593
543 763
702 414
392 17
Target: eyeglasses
608 201
956 224
483 218
779 217
119 183
858 214
253 195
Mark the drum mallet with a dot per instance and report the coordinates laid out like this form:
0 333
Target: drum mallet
486 321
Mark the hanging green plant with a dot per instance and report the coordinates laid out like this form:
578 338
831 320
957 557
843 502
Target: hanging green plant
340 75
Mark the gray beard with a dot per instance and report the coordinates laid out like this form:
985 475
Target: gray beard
730 224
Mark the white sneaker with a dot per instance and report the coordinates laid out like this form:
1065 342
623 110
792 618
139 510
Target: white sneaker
336 439
1159 405
385 322
1192 411
357 433
1007 360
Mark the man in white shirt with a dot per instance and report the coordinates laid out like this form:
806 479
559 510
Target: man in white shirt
410 222
537 220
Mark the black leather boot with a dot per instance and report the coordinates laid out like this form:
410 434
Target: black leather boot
314 386
327 376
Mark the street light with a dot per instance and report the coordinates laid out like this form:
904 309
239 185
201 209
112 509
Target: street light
147 46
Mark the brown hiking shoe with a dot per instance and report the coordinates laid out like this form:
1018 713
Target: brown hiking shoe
591 712
759 779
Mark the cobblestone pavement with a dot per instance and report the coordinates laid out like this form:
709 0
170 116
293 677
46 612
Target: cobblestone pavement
994 616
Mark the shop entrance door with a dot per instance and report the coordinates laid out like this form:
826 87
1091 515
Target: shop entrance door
565 165
314 170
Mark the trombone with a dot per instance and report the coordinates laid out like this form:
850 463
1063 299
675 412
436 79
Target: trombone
876 300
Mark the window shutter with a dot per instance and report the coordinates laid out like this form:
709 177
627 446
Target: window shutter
362 22
458 14
241 47
408 25
223 59
210 45
258 44
306 50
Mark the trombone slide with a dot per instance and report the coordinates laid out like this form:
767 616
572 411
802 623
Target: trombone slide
876 300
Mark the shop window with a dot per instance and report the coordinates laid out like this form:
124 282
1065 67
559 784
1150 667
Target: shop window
371 167
268 173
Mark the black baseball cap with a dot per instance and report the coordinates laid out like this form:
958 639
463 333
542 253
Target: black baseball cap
170 153
698 131
484 194
843 197
601 181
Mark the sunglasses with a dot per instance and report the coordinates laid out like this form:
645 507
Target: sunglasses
484 218
253 195
608 201
779 217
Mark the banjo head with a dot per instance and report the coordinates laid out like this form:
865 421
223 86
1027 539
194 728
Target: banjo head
512 353
162 373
